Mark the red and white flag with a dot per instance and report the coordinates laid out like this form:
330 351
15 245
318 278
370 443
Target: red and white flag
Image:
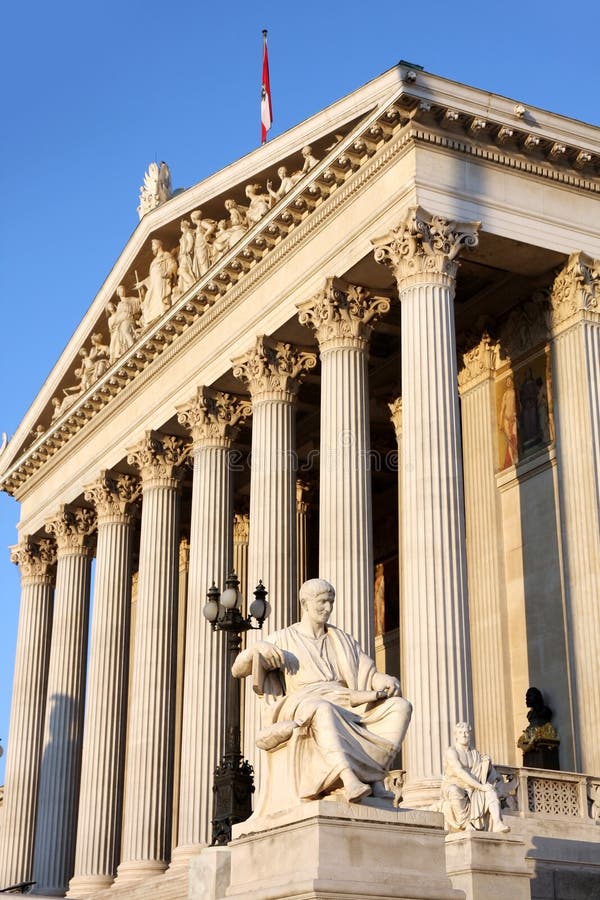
266 110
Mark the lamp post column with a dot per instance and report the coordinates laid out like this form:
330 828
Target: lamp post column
422 253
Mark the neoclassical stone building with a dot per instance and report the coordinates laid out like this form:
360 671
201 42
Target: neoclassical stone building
369 350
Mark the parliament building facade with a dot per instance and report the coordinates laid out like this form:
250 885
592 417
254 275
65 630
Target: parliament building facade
368 351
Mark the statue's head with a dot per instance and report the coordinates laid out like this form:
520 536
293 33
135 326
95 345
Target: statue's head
316 599
196 215
462 733
533 697
121 290
282 171
156 245
306 151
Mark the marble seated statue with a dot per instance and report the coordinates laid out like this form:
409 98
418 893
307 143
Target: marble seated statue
331 721
470 799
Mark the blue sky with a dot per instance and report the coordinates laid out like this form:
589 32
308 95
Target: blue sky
94 92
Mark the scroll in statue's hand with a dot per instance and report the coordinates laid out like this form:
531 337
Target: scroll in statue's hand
270 655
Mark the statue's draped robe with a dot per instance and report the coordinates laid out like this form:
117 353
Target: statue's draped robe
308 713
462 805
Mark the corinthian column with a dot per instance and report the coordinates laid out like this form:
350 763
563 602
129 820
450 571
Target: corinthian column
575 318
272 371
100 800
148 773
17 821
342 316
61 763
211 418
422 253
395 409
487 601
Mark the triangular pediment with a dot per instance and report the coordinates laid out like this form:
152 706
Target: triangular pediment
342 139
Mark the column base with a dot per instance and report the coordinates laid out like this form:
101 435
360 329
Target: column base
138 869
422 794
182 855
483 864
84 885
334 849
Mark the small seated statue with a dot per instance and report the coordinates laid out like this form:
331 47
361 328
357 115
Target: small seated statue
469 799
332 720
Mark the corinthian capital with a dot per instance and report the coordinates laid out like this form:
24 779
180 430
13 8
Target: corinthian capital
35 559
273 370
72 528
342 314
159 458
425 245
478 363
576 291
113 495
212 416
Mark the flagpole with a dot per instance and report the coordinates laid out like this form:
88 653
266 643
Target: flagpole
266 110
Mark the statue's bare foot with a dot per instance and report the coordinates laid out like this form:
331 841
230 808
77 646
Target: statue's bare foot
354 789
500 828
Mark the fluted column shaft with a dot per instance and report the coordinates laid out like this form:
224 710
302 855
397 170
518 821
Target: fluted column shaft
211 418
148 787
421 252
272 372
184 567
396 416
342 316
21 780
100 801
61 763
492 698
576 376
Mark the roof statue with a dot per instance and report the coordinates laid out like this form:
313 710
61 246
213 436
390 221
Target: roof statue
156 188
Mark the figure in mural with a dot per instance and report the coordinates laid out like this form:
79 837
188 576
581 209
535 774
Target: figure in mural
528 411
122 316
328 714
220 243
507 422
205 230
286 183
159 284
469 799
99 356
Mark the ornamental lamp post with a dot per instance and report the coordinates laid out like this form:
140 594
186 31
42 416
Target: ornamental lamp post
233 783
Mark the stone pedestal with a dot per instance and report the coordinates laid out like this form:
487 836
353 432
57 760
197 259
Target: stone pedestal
333 849
490 866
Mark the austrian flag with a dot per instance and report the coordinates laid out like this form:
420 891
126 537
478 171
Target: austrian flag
266 110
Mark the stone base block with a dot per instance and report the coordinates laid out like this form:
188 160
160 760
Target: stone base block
483 864
209 874
333 850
